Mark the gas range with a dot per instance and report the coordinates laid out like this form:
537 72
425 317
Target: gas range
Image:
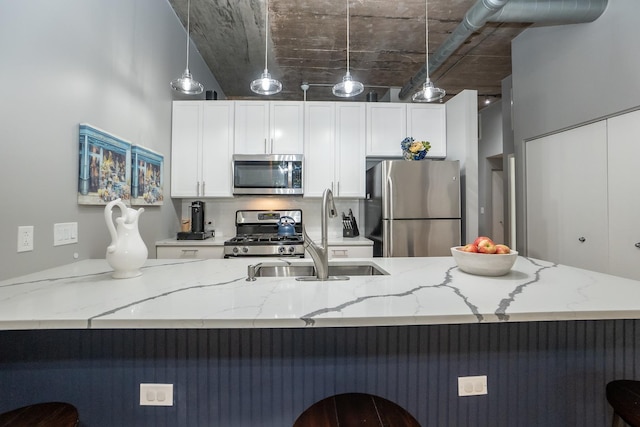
257 235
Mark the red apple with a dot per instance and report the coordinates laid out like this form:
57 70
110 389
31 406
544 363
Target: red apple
479 239
486 246
469 248
502 249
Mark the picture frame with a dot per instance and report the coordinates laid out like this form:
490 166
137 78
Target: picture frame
147 177
104 167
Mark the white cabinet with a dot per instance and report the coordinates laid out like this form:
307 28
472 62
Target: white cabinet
189 252
389 123
201 148
567 211
334 149
272 127
428 122
346 251
386 128
624 195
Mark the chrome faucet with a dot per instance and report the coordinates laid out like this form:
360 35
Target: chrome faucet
320 253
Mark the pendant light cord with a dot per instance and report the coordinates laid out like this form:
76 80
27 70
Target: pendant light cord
266 37
188 28
426 32
347 36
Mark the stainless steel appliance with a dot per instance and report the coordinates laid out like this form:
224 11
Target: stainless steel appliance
413 208
257 235
279 174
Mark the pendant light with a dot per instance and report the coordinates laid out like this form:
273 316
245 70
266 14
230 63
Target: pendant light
265 85
429 93
185 83
348 87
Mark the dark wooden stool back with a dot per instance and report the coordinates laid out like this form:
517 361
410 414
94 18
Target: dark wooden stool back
49 414
624 398
355 410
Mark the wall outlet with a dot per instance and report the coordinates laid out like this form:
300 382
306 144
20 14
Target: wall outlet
25 238
156 394
472 386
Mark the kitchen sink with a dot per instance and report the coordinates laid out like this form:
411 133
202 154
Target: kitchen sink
308 271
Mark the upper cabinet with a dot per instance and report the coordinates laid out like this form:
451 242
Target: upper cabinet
389 123
269 127
201 148
334 149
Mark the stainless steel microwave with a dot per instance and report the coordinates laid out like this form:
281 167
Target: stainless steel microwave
278 174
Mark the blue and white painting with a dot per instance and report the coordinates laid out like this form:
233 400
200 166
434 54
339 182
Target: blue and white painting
105 167
147 176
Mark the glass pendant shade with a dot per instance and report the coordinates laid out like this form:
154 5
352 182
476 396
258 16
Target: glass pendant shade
348 87
265 85
429 93
185 83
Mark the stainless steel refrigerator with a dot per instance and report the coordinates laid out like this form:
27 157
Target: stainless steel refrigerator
413 208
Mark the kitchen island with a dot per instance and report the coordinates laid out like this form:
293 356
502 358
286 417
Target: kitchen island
548 338
215 294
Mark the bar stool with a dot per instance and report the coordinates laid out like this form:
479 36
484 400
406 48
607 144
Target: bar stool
355 409
624 398
48 414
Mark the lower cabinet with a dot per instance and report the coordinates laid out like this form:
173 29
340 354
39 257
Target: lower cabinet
350 252
189 252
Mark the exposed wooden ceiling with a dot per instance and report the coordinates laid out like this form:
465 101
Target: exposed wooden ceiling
308 44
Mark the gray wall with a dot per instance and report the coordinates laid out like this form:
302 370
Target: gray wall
567 75
489 145
103 62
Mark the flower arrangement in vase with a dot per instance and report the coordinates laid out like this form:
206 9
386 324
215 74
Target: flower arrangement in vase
414 150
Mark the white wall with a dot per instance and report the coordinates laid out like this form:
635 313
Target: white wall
104 62
571 74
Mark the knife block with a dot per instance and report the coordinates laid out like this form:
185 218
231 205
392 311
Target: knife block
350 228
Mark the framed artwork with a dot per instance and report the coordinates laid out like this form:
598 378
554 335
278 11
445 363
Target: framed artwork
147 176
105 167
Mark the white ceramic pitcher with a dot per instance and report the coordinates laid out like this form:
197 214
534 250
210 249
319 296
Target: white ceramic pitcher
127 251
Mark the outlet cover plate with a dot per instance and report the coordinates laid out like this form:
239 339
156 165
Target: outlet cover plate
156 394
25 238
472 386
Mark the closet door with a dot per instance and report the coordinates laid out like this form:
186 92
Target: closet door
567 217
624 195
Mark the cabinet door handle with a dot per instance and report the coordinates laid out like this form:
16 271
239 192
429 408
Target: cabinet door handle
271 149
191 253
582 240
202 188
637 245
340 253
198 188
338 188
266 147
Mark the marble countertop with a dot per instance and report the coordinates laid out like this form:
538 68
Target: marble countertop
214 294
334 240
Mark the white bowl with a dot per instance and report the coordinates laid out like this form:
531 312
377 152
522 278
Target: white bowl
484 264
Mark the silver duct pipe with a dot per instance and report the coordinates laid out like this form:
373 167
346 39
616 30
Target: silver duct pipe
521 11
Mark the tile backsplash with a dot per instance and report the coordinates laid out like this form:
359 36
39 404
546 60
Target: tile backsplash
220 213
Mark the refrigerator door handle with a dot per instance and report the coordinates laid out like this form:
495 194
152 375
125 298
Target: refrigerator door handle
389 203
